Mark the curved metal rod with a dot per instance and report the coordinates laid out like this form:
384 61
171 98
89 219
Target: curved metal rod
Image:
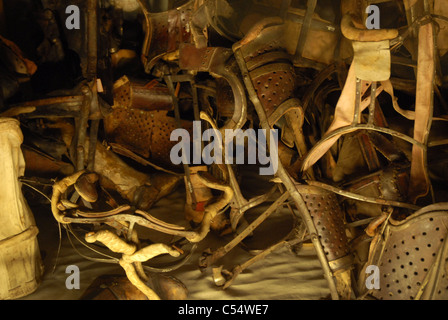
359 197
207 260
131 219
218 62
104 213
175 266
352 128
239 95
158 221
315 84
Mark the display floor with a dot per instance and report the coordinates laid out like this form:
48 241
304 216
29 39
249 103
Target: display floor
282 275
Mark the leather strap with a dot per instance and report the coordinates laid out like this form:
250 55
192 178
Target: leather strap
419 180
408 114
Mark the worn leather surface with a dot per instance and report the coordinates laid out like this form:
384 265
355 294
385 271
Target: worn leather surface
372 60
419 181
410 250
